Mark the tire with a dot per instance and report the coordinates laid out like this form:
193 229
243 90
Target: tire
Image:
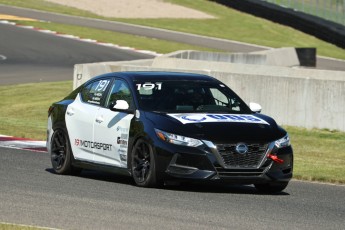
143 164
61 154
271 188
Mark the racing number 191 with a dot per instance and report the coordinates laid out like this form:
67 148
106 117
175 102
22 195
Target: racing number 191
149 86
102 85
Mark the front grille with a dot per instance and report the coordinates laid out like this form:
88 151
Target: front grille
251 159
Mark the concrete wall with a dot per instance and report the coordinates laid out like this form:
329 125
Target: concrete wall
274 57
292 96
296 101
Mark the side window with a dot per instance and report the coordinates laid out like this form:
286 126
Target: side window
94 92
120 91
219 97
222 100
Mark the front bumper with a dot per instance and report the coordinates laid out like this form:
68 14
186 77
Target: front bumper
207 164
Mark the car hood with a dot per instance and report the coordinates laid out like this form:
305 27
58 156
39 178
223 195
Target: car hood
219 128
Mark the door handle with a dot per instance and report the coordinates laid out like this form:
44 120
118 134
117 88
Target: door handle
70 112
99 119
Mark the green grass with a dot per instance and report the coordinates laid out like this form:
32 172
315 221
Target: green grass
319 154
229 24
327 9
24 107
137 42
5 226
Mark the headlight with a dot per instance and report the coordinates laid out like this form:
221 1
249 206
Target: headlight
177 139
283 142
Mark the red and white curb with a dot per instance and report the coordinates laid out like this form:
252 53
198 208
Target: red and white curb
22 143
149 52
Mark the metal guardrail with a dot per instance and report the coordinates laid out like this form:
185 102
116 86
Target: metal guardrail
333 10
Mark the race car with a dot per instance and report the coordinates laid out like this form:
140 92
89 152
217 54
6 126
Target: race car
166 126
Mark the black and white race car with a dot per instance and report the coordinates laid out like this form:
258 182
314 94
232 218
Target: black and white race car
164 126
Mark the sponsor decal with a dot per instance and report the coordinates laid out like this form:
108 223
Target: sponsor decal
196 118
122 130
92 145
202 118
96 99
121 141
123 154
94 102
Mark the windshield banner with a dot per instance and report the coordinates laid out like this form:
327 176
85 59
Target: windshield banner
203 117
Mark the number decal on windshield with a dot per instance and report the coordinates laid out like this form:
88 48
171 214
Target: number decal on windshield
102 85
149 86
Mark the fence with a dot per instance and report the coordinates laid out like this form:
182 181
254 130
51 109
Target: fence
333 10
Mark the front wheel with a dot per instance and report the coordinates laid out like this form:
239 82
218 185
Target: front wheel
143 164
274 187
61 153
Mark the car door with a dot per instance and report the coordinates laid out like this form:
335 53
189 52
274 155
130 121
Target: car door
111 128
81 116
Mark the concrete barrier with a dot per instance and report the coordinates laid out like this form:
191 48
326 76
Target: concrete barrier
273 57
307 98
310 102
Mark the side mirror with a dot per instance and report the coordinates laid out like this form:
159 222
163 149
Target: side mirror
119 106
255 107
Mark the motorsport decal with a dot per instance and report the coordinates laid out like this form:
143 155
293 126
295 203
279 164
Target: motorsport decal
203 117
92 145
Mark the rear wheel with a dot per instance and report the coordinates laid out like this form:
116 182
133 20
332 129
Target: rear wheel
61 153
274 187
143 164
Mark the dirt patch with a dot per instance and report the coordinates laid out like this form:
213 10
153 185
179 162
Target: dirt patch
134 8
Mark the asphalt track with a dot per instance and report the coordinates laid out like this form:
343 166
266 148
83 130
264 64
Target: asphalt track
27 56
31 194
216 43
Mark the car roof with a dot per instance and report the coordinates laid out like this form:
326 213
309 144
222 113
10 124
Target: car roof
158 75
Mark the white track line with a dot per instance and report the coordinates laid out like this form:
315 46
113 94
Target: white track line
2 57
80 39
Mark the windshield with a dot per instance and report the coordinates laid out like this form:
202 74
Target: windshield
188 97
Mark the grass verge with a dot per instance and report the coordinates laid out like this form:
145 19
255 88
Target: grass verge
137 42
229 24
319 154
24 107
6 226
